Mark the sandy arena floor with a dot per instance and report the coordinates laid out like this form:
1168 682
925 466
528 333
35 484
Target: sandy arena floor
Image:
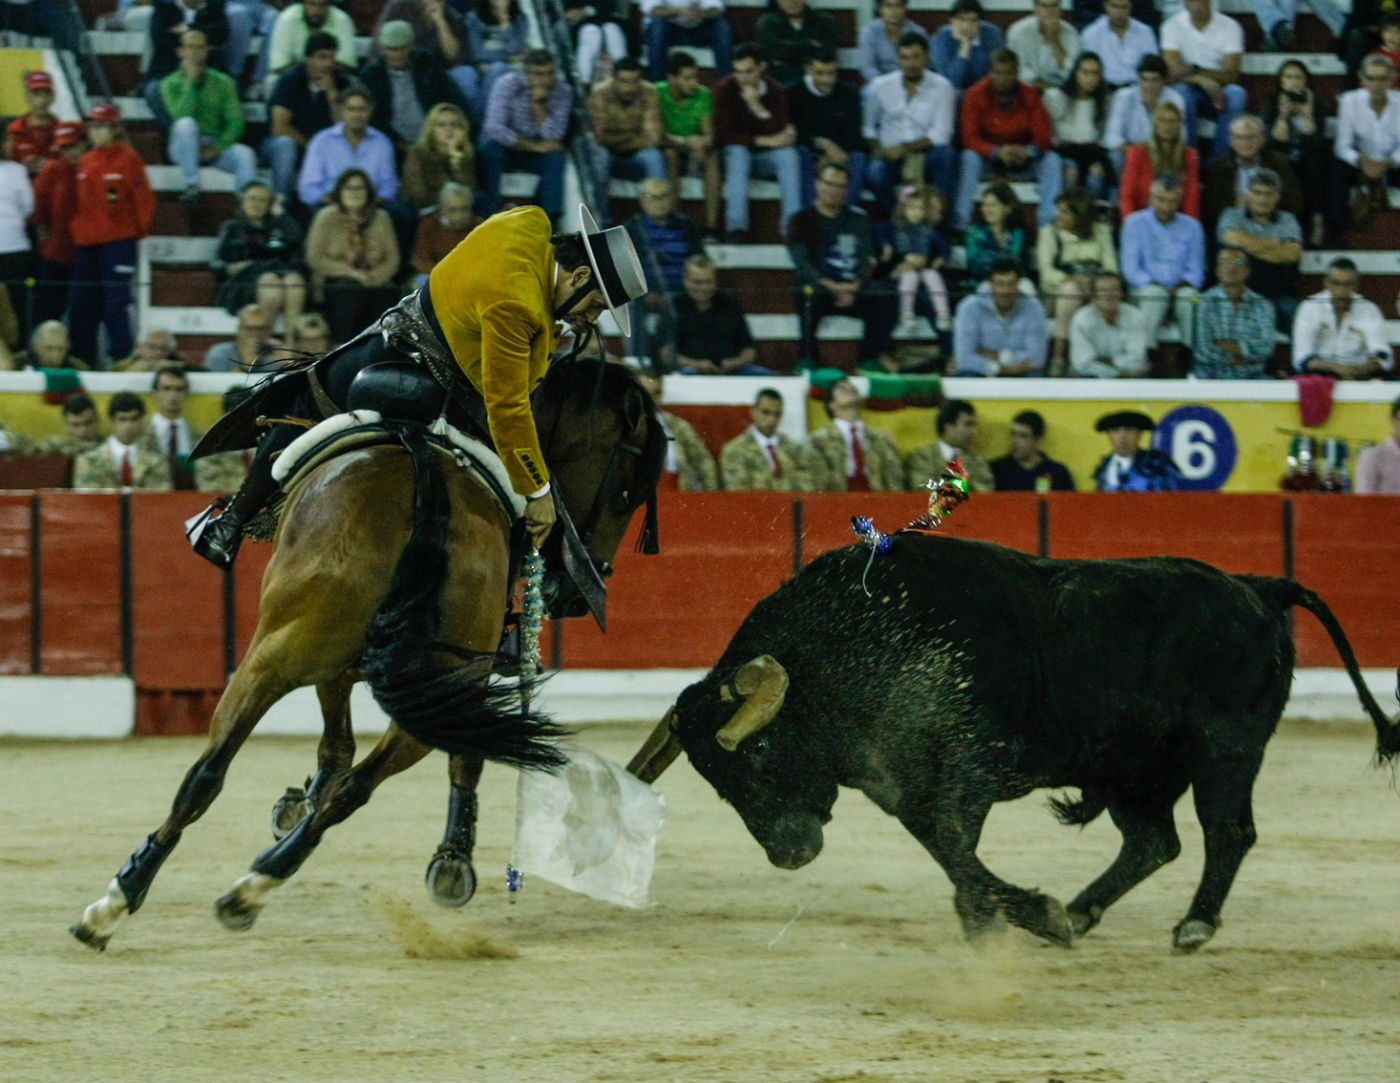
850 969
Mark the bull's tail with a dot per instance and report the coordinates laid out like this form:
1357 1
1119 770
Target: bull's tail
1284 593
1074 813
456 709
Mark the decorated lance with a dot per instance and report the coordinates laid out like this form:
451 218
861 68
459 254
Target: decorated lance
531 620
945 494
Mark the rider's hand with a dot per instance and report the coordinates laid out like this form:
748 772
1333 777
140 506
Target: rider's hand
539 518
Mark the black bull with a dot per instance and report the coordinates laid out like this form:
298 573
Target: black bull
972 674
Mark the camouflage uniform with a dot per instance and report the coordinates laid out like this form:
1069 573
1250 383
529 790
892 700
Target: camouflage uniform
96 469
697 465
64 445
222 472
827 453
928 462
15 442
744 465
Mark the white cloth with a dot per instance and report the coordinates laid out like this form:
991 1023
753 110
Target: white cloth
1206 47
1073 117
1091 338
1037 58
1360 131
1359 336
591 828
892 117
16 205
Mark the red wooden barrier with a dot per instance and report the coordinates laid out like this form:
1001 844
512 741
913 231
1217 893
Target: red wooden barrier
80 583
1011 519
16 583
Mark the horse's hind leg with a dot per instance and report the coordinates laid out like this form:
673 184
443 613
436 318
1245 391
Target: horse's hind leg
451 878
334 754
346 792
253 689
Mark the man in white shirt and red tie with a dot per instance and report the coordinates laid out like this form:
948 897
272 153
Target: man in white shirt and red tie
171 433
847 455
761 457
123 460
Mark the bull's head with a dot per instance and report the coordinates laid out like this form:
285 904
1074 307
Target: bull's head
763 769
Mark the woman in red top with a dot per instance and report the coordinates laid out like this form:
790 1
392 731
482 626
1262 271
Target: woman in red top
55 207
115 208
1165 152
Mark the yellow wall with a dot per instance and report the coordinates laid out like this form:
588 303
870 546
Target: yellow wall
13 64
30 414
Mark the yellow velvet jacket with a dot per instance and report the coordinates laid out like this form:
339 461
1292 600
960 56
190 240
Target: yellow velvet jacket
493 296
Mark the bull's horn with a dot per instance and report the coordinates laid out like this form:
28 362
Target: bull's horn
763 684
661 748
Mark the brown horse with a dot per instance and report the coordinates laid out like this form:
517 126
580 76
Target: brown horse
393 566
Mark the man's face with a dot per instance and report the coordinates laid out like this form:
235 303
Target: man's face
968 24
832 188
320 63
1118 12
126 426
1199 9
767 414
1124 441
629 83
457 210
316 11
657 199
845 401
256 202
584 314
793 9
82 426
52 347
40 100
153 346
1165 201
1024 443
1004 77
315 341
1151 84
894 13
748 71
1108 296
684 82
254 327
1231 268
1005 288
823 75
355 111
194 49
171 393
962 431
1377 79
1341 284
541 79
1047 13
397 58
913 60
1262 200
1247 140
699 283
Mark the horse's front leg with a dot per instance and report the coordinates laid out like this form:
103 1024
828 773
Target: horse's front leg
451 878
334 754
347 791
255 687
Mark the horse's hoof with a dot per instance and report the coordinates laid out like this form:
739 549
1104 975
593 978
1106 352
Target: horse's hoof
90 938
1190 935
291 808
1056 925
235 914
1084 920
451 879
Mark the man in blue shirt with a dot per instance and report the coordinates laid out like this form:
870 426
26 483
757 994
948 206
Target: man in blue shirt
962 50
1120 42
999 331
1163 257
352 142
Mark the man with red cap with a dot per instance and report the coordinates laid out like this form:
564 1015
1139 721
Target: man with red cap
31 135
55 206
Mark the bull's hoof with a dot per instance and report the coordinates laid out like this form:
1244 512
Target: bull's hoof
1084 920
90 937
1190 935
291 808
451 879
235 913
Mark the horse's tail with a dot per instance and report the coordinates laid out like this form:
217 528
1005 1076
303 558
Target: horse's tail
1284 593
456 709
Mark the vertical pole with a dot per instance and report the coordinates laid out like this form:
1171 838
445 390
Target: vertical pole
797 539
1289 566
1043 515
230 619
36 592
128 635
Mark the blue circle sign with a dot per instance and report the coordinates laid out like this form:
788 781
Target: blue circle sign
1201 443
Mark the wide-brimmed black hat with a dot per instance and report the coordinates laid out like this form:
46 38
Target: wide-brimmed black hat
1125 419
615 262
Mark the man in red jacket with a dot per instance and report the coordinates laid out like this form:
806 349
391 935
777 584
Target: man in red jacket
55 206
755 133
115 209
1006 132
31 135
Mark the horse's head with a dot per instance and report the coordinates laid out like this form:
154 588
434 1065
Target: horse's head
606 447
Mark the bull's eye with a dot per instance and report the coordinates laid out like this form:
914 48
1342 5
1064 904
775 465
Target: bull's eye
756 749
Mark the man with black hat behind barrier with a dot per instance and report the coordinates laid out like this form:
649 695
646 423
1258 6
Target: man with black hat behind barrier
483 328
1129 468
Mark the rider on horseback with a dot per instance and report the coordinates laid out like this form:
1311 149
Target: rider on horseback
484 327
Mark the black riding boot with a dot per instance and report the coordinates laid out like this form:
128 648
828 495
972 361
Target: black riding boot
219 541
